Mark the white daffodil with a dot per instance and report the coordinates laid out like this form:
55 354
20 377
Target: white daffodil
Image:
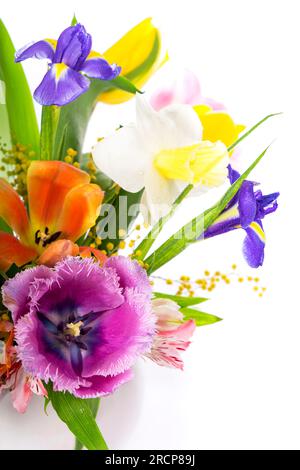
162 152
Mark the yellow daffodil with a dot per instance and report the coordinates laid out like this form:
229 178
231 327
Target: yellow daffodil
218 125
162 152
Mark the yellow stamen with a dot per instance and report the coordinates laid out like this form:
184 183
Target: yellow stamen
73 329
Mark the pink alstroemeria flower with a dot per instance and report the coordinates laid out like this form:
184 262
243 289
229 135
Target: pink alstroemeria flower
173 335
185 89
12 375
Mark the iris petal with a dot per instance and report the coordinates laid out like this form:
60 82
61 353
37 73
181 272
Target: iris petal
247 204
100 68
39 50
73 46
60 86
254 245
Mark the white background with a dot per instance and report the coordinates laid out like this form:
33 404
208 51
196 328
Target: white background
241 386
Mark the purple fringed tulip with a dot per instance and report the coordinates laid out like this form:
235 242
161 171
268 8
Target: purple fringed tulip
246 210
70 59
80 325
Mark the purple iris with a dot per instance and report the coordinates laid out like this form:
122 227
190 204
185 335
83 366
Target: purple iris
246 210
80 325
70 59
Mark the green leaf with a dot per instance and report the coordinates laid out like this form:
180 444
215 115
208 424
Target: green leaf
182 301
75 116
190 232
148 241
77 415
144 247
19 103
94 404
124 84
50 116
247 133
201 318
74 20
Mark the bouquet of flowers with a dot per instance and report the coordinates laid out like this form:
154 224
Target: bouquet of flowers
77 303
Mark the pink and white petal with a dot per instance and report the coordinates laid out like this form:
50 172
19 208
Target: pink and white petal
122 157
21 393
167 313
183 332
188 89
100 386
162 98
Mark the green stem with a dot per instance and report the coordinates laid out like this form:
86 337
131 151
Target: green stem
94 404
50 115
147 243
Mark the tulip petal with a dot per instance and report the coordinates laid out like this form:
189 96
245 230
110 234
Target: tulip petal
48 184
60 86
80 211
57 251
12 210
218 125
13 252
99 68
39 50
139 54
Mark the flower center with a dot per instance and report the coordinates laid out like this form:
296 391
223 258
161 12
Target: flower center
45 237
73 329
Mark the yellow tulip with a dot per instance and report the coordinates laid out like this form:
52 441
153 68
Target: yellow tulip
218 125
139 55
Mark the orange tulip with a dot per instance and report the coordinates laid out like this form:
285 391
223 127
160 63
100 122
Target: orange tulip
63 205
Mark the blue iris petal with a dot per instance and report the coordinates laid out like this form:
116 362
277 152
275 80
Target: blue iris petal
37 50
247 204
60 88
73 47
101 69
253 247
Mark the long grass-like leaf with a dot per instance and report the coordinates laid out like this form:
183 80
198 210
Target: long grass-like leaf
19 103
193 230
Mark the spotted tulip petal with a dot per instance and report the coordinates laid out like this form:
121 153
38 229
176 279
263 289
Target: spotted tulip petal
13 252
80 211
39 50
60 86
12 209
48 184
